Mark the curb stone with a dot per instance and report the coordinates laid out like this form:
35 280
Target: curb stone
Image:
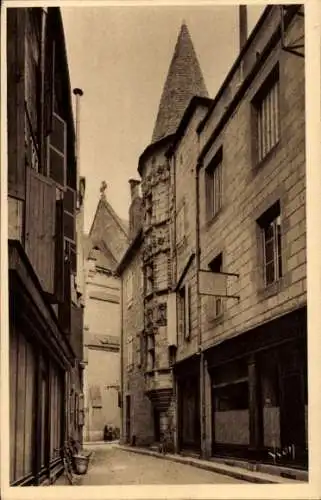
232 471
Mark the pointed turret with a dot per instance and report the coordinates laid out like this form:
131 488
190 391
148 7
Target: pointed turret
184 80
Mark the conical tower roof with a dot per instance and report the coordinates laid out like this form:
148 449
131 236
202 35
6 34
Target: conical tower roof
184 80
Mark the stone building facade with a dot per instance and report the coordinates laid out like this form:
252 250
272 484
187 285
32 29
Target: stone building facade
248 189
104 246
223 246
136 408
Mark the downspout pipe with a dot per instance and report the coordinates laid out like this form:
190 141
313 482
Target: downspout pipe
199 313
121 359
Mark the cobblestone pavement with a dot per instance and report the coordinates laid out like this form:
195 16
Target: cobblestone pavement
112 466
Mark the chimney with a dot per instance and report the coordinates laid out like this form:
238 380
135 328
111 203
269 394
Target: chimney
134 189
242 25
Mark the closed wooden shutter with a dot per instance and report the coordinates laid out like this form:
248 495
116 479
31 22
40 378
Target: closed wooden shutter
59 252
40 227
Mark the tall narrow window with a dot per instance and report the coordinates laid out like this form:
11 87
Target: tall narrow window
213 185
270 223
267 106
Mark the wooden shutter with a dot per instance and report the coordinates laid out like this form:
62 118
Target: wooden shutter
40 227
69 214
65 308
57 148
59 252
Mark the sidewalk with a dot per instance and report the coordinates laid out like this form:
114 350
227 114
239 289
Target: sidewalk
270 476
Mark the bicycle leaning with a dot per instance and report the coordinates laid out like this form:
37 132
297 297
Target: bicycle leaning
67 452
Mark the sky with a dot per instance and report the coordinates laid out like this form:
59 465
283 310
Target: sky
119 56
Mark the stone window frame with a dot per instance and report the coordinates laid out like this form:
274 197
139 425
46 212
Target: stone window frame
271 219
263 291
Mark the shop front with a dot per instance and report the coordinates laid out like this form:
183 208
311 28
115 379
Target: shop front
259 393
39 358
188 393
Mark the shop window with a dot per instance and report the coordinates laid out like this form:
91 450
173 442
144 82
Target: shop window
270 394
232 397
270 224
231 404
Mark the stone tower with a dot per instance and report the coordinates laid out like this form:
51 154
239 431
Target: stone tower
184 80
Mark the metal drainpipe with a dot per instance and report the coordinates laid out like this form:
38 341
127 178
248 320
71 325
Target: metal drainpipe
174 278
199 311
121 358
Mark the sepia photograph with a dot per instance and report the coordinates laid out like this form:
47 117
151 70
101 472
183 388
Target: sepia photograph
157 244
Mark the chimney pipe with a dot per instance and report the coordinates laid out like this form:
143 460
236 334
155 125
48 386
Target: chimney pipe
242 25
78 93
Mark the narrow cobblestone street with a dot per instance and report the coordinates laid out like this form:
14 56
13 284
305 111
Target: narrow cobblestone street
111 466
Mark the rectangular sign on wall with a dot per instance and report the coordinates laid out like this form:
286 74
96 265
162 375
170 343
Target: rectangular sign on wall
213 283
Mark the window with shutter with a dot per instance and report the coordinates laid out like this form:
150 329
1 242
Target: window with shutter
57 147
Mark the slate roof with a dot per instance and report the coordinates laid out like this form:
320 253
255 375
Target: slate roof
109 233
184 80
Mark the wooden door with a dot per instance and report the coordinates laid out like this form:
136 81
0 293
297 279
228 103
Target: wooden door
292 410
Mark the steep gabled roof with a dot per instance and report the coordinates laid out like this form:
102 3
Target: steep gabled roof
184 80
108 232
